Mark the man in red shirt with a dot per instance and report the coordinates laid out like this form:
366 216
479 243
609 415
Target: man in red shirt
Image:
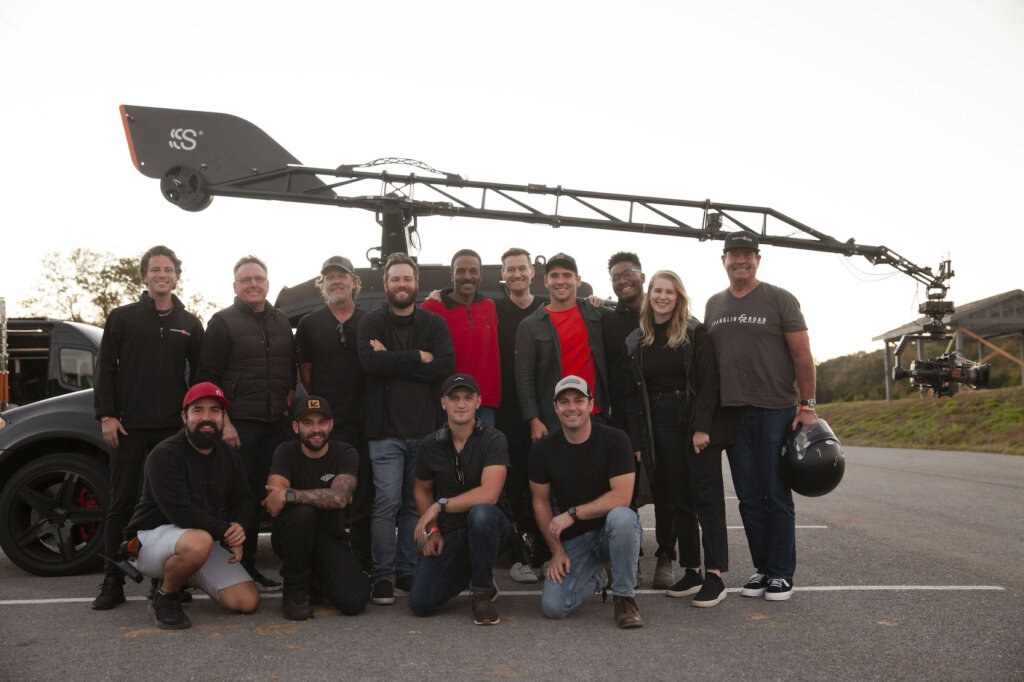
560 339
473 323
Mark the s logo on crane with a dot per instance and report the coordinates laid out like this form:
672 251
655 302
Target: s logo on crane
183 138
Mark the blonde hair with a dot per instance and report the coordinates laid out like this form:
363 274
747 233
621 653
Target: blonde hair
680 314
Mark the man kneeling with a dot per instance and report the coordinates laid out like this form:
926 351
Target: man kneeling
195 502
310 483
463 466
591 468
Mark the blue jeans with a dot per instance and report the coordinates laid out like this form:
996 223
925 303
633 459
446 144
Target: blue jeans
486 415
394 476
618 542
468 558
766 502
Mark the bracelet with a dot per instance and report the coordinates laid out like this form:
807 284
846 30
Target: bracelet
430 532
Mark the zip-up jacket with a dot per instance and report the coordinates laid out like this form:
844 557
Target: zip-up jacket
703 412
430 333
539 363
474 330
141 374
252 359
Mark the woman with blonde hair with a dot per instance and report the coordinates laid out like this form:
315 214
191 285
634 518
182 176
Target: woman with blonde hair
678 429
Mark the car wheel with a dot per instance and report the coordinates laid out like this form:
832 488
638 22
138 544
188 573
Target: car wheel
53 514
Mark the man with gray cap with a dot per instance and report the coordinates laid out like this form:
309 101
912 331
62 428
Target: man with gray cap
590 469
561 338
460 471
329 367
766 369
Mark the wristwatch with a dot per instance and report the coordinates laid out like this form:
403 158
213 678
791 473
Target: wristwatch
571 511
444 504
808 404
289 495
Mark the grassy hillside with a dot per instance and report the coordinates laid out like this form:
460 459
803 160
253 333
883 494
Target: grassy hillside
982 421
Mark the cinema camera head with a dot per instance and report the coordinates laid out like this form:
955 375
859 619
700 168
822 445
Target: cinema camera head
939 374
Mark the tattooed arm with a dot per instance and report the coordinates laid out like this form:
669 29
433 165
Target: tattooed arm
339 495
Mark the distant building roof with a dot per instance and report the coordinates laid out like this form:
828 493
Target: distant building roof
999 314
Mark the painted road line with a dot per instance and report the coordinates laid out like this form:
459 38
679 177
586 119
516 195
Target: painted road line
537 593
741 528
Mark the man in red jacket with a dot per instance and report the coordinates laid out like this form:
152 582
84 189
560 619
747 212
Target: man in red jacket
473 323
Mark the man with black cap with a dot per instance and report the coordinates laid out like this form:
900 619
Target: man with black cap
460 472
766 369
562 338
311 482
191 519
591 470
329 367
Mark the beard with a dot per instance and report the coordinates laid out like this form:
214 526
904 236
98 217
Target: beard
203 440
307 440
407 298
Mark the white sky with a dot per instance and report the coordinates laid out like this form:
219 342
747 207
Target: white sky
894 123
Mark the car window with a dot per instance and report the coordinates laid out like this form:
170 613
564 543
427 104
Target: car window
76 367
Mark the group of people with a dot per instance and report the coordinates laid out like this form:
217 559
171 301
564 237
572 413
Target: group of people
432 438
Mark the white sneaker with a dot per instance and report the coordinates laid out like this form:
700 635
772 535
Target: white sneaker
521 573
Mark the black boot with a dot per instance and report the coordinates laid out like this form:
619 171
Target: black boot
111 593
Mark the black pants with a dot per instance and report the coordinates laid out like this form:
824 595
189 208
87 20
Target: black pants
359 511
509 420
126 467
690 486
313 557
259 440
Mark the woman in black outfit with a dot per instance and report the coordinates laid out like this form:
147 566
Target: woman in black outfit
672 393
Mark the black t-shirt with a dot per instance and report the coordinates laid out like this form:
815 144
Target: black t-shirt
664 367
336 373
307 473
580 473
435 462
509 317
616 326
411 409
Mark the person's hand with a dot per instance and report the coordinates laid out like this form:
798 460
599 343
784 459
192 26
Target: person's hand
274 501
700 441
537 430
230 436
805 419
560 523
595 301
435 295
426 522
639 456
235 535
434 545
110 428
236 554
426 356
559 566
377 345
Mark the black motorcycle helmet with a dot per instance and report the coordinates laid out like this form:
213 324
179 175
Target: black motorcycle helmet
812 460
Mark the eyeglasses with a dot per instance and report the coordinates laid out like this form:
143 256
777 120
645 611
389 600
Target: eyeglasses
341 335
251 280
625 273
460 475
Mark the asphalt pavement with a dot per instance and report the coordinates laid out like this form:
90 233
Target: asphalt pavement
911 569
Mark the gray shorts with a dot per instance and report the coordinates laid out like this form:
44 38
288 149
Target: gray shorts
215 575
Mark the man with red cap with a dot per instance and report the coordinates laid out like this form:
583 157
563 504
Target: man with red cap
190 520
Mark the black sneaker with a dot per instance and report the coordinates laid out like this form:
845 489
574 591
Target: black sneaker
296 606
183 595
779 589
756 586
711 592
263 583
111 594
404 582
484 612
687 585
383 593
168 612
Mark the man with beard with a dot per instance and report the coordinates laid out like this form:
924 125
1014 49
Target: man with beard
148 354
562 338
310 484
329 367
194 508
250 351
459 476
473 324
406 352
590 469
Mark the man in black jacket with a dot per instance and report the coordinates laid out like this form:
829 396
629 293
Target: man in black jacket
250 351
406 352
146 351
191 518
